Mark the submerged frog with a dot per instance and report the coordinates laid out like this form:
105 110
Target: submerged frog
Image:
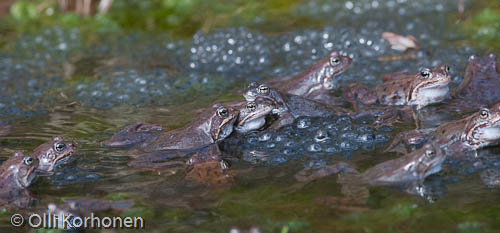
476 131
418 90
318 80
211 127
208 168
289 107
53 153
407 172
415 166
134 134
253 115
478 87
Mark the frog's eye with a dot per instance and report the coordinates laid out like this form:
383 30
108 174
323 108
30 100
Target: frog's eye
429 153
484 114
59 146
447 68
263 89
334 61
28 161
222 112
426 73
251 106
224 164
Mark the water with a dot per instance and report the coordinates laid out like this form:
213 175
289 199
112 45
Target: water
57 83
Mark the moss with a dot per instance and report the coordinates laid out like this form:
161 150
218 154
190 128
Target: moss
483 25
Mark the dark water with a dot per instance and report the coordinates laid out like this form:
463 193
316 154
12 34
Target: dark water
58 82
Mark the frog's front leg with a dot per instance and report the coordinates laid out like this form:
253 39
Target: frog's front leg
284 119
359 95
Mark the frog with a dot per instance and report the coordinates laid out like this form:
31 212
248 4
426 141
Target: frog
134 134
55 152
176 158
253 115
475 91
289 106
407 172
471 133
214 125
209 169
317 81
16 175
18 172
426 87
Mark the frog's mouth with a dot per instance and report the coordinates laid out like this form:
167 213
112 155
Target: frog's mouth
433 89
225 128
255 115
27 180
484 133
63 158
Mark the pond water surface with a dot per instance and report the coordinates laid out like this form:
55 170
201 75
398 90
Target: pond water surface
57 81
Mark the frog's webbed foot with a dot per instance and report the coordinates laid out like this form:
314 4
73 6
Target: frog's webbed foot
421 190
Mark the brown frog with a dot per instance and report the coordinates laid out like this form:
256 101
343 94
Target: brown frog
478 89
418 90
318 80
134 134
176 158
408 172
208 168
253 115
213 172
53 153
476 131
288 106
17 172
213 126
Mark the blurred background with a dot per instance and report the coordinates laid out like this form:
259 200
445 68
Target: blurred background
184 17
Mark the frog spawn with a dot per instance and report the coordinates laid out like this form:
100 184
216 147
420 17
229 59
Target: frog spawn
159 67
308 137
